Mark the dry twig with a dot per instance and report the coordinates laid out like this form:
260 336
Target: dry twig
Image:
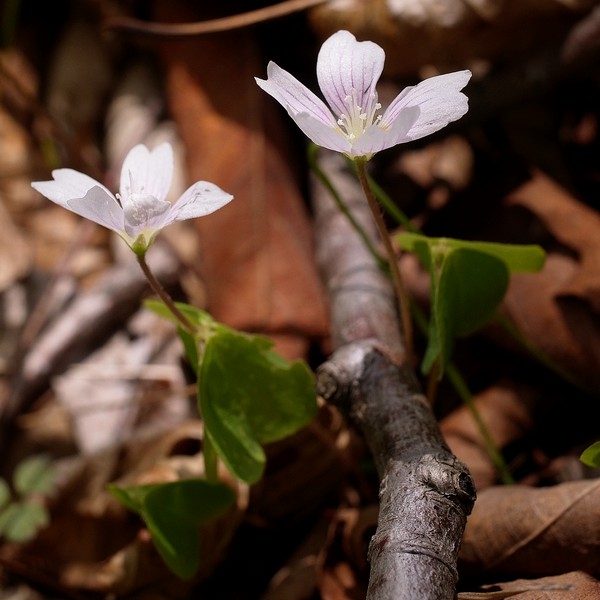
425 492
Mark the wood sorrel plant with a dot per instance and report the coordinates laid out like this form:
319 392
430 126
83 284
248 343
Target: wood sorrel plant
352 121
247 394
468 280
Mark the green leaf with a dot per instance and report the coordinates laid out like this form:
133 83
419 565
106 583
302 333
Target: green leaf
591 455
250 396
468 282
516 257
34 475
21 521
467 290
471 287
174 513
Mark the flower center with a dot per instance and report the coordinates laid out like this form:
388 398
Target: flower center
140 210
358 118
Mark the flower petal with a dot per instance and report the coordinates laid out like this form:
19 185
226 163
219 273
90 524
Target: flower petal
294 96
99 206
376 138
67 184
147 172
344 65
326 136
199 200
439 100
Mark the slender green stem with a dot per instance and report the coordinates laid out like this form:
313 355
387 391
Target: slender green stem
164 295
461 388
459 385
388 205
402 296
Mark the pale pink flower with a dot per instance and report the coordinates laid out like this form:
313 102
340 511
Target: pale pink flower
347 72
140 210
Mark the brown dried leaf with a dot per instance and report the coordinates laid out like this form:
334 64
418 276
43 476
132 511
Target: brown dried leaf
570 586
572 223
256 254
534 531
453 33
556 310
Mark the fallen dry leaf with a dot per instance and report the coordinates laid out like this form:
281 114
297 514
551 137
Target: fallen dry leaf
519 530
569 586
256 255
556 310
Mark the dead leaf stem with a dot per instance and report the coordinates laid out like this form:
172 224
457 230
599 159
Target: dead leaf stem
252 17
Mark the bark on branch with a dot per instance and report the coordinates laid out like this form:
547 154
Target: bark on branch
425 492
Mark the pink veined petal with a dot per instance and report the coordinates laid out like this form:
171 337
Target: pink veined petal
326 136
99 206
375 138
67 184
344 65
439 100
294 96
147 172
200 199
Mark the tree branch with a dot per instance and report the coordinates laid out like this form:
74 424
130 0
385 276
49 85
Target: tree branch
425 492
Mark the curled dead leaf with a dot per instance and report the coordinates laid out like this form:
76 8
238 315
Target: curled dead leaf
556 310
569 586
534 531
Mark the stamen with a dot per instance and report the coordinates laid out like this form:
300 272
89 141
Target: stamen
358 119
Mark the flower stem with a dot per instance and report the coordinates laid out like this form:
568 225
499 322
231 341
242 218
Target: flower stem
401 295
164 295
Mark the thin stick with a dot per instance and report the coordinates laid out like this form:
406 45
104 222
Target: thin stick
214 25
164 295
401 295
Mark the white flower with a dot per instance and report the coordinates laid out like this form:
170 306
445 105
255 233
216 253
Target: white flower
140 209
347 72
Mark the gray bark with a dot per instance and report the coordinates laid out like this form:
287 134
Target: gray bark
425 492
